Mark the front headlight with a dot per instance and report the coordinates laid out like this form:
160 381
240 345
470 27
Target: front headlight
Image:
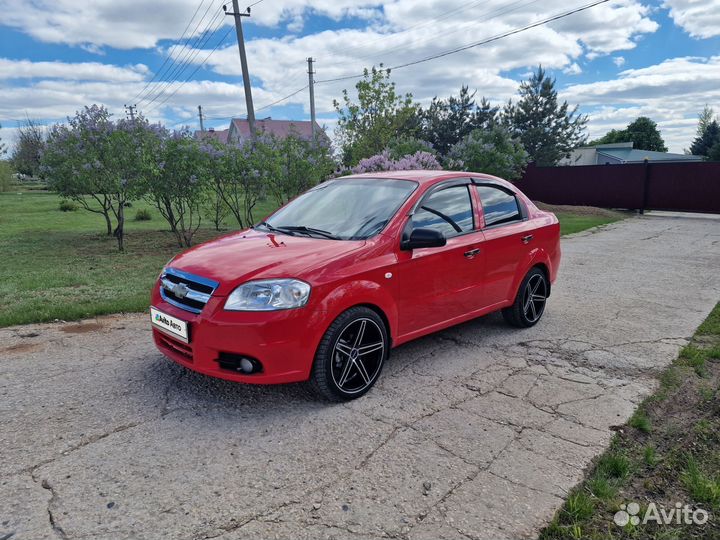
268 295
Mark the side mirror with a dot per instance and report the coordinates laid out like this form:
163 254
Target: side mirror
424 238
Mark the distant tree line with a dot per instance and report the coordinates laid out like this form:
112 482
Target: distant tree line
459 131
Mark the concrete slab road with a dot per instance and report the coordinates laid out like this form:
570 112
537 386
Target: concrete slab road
475 432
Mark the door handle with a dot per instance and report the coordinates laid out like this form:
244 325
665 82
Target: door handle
470 254
527 239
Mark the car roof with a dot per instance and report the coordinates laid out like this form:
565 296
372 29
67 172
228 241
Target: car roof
422 176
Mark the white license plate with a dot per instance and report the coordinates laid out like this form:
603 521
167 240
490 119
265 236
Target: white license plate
172 325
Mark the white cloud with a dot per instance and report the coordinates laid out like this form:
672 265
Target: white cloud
406 34
134 24
699 18
671 93
573 69
396 32
81 71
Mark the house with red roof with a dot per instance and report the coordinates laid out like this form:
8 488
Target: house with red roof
219 135
239 130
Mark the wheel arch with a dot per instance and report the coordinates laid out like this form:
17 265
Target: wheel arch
537 258
380 313
363 293
545 270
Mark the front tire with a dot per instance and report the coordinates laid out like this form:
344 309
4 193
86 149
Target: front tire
351 355
529 304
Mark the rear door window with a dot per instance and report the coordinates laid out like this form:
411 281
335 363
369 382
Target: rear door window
498 206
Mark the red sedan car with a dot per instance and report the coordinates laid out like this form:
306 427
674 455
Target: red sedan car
329 283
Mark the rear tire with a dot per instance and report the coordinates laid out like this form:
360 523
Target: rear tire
351 355
529 304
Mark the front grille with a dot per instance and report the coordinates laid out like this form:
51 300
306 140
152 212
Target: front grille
186 291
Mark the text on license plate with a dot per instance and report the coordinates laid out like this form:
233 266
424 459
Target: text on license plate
177 327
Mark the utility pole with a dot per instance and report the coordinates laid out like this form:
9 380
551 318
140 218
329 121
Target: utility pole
311 86
243 60
130 112
201 118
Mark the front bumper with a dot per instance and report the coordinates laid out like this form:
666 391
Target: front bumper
284 342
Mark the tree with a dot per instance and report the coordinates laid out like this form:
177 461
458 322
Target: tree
240 174
98 163
406 145
705 118
492 151
29 146
446 121
365 128
645 135
72 162
709 137
3 146
303 163
178 186
714 153
548 130
612 136
642 132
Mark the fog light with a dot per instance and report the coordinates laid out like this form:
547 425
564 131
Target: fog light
246 365
239 363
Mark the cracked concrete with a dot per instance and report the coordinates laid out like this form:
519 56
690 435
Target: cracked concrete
477 432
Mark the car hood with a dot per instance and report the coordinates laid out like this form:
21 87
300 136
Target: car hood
251 254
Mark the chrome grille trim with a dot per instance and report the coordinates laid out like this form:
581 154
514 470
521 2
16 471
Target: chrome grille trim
181 289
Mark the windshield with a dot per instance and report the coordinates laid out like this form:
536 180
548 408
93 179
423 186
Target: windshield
342 209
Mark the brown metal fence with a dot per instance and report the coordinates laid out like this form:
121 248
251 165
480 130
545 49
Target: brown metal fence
688 187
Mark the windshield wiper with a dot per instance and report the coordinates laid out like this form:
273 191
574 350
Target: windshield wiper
273 229
309 231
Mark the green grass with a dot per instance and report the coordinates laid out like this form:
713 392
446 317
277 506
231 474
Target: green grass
650 456
60 264
702 487
572 223
641 421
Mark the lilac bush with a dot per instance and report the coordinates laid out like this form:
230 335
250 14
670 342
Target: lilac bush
304 163
383 162
239 174
178 183
99 163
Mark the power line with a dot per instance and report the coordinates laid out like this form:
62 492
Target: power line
494 12
476 43
255 3
175 58
186 63
484 18
193 72
157 73
485 41
182 59
296 92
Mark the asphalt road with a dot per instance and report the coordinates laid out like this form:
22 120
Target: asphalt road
476 432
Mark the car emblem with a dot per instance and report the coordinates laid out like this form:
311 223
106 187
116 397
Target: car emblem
180 290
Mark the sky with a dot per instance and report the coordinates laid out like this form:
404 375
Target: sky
616 61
